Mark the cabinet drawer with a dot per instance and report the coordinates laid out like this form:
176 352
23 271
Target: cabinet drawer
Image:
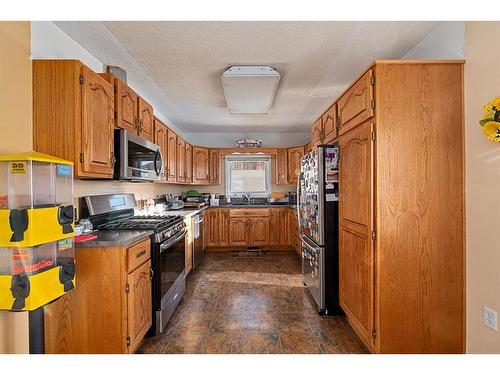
245 212
138 254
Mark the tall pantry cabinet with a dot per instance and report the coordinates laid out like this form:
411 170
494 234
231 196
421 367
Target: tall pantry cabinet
402 206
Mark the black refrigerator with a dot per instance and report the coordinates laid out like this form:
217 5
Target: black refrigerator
318 214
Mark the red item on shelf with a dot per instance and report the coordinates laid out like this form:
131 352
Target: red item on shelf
85 237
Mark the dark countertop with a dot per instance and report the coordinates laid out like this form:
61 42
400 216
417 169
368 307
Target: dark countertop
116 238
252 206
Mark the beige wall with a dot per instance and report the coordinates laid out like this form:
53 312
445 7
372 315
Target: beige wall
482 82
15 136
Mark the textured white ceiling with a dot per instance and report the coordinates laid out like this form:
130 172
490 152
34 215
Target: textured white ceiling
184 61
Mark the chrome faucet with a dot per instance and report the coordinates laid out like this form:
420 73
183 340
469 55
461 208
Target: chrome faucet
247 197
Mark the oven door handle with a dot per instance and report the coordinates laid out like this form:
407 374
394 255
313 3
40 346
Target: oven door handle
172 241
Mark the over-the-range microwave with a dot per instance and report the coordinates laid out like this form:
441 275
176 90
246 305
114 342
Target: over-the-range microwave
136 158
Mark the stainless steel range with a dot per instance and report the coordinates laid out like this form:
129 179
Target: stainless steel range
168 250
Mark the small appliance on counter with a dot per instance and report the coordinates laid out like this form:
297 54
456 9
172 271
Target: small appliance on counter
176 203
193 199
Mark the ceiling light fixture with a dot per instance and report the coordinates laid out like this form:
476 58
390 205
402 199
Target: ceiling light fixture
250 89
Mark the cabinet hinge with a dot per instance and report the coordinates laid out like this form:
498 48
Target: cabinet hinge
81 79
372 80
374 332
374 135
81 157
374 235
373 103
127 288
128 341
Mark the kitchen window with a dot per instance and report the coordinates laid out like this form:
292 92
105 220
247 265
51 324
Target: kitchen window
248 175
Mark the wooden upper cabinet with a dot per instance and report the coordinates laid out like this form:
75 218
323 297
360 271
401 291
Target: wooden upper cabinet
97 124
281 166
138 305
181 160
214 166
317 133
189 163
356 257
307 147
200 165
294 156
126 101
146 120
356 105
74 116
160 138
171 166
329 120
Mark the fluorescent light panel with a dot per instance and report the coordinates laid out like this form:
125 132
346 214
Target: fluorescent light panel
250 89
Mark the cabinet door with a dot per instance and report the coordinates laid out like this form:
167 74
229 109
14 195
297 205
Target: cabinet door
126 102
181 160
317 133
98 121
214 165
281 166
294 156
172 156
259 231
138 304
356 105
275 223
329 120
200 165
189 163
284 227
146 121
160 138
223 225
356 257
238 231
212 227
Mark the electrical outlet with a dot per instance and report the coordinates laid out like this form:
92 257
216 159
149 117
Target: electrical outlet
490 318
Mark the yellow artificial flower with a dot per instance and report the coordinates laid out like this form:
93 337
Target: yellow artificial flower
492 131
491 107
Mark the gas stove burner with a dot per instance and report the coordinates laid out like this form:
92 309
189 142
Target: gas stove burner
153 222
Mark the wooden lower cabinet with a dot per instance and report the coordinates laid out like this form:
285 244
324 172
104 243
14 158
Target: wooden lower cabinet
211 227
238 231
242 227
223 223
258 231
109 311
138 305
279 233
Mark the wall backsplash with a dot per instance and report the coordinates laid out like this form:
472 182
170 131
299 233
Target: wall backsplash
144 190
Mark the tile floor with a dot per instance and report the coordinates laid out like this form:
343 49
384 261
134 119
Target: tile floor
251 304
